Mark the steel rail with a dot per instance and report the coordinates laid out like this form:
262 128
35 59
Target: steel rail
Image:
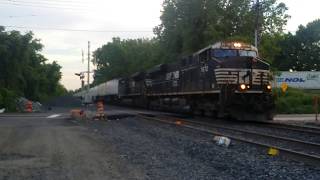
298 128
305 144
293 154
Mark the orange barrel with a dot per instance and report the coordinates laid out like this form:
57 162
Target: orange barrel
100 110
76 113
29 107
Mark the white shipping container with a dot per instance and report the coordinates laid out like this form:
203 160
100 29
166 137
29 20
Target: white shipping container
108 88
102 89
112 87
300 79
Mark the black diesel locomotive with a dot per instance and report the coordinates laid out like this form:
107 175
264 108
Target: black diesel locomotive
226 79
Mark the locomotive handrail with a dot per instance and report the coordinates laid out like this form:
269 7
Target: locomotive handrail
217 60
262 61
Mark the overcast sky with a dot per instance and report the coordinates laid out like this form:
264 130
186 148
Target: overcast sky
122 18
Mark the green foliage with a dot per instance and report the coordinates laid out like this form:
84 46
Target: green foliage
301 51
294 101
274 16
24 71
7 99
124 57
270 46
189 25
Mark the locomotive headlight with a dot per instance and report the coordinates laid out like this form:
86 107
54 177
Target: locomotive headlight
237 45
269 87
243 87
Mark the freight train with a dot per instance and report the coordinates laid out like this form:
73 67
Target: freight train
226 79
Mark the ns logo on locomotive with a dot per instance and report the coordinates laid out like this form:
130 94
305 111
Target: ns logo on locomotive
226 79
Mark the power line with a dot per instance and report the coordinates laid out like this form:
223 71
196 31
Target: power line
40 6
22 16
56 1
79 30
36 6
46 3
64 1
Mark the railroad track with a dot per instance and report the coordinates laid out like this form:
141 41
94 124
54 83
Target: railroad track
275 125
307 152
302 133
298 128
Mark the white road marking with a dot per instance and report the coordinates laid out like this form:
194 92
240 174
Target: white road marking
54 116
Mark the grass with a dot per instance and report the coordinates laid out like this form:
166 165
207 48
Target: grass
295 101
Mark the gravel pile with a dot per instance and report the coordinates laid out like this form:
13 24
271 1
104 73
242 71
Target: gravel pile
167 152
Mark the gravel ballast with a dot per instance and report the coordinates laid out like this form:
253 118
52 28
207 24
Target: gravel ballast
165 151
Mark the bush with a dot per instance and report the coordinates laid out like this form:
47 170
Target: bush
1 101
294 101
8 99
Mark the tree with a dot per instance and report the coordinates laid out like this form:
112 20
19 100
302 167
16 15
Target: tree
23 70
189 25
301 51
271 46
124 57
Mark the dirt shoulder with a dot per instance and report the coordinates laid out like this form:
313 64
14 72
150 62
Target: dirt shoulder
41 148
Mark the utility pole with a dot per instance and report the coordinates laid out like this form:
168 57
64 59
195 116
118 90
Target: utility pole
88 76
82 56
257 24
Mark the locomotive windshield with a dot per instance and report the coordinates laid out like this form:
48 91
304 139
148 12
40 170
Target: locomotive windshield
247 53
223 53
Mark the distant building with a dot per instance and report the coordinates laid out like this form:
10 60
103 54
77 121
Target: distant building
300 79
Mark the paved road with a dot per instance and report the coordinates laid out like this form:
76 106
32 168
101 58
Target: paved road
38 147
